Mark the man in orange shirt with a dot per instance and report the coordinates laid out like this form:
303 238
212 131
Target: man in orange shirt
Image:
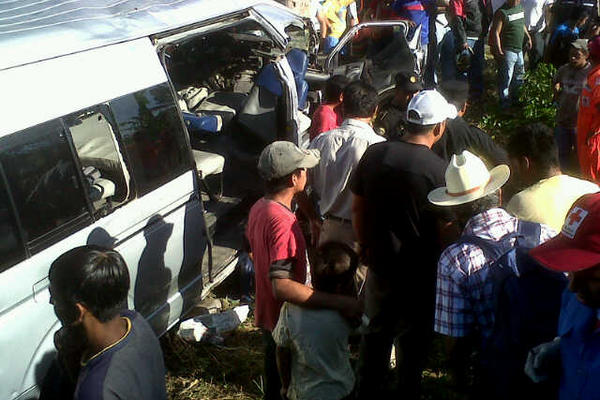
588 119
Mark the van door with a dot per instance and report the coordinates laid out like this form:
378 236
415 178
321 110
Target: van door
376 51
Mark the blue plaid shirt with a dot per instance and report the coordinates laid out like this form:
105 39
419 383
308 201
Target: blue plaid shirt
464 303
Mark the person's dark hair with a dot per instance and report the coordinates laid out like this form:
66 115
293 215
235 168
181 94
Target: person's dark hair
417 129
334 265
279 184
456 93
334 88
464 212
94 276
536 142
580 13
360 100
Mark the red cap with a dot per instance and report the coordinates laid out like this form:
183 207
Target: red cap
594 46
577 247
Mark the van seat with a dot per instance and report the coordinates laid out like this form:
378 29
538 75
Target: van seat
224 104
208 163
102 189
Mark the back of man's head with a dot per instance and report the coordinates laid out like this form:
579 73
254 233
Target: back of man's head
335 87
536 143
93 276
334 267
455 92
359 100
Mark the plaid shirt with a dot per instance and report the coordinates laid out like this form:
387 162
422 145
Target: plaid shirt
464 300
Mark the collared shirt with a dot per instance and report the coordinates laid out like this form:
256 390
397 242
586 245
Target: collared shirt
341 150
579 350
464 295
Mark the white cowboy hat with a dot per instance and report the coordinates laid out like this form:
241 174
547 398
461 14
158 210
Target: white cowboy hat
468 179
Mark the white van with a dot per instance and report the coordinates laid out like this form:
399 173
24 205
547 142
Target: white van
137 125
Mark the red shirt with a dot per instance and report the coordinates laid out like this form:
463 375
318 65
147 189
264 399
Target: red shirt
588 122
274 234
325 118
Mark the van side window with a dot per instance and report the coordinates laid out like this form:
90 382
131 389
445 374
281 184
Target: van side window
12 250
43 180
153 135
106 178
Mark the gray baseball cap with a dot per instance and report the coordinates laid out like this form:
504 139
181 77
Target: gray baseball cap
580 44
282 158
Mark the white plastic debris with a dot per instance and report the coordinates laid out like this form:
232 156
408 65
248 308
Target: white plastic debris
209 327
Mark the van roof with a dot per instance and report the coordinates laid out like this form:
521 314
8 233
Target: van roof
34 30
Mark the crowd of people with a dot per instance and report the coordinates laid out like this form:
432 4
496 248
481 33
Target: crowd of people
401 221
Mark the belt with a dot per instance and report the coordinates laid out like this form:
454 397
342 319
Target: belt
338 219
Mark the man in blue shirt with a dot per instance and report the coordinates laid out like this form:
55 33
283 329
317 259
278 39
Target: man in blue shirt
576 251
115 350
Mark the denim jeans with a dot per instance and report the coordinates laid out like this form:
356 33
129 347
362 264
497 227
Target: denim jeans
475 72
566 141
511 70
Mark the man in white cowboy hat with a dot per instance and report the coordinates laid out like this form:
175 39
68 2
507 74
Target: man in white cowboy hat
464 305
397 231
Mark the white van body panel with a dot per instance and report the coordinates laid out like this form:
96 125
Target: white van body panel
39 92
24 287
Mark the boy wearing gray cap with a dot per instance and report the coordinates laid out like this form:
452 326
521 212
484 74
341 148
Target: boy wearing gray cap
568 82
278 249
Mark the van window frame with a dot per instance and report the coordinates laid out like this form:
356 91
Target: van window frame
15 217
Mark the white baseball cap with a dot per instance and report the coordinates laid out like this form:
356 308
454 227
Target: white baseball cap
429 107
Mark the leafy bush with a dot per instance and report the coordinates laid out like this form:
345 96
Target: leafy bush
535 105
536 95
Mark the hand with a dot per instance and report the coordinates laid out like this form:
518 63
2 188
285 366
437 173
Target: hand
315 231
466 46
528 45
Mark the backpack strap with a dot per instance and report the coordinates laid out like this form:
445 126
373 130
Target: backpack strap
528 234
492 249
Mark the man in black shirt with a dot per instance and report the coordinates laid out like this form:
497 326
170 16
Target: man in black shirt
398 232
117 352
460 135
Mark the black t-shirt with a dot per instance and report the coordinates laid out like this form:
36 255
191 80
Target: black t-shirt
395 178
131 369
461 136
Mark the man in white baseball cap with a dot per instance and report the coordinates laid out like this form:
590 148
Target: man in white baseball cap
464 295
398 233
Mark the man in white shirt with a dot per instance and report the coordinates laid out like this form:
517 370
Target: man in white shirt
341 150
536 12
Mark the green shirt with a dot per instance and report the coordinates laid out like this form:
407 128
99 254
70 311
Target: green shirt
513 27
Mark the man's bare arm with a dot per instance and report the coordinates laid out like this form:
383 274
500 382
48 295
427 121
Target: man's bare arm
285 289
495 32
358 217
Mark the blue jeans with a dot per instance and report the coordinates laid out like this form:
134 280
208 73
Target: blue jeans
566 141
329 43
448 63
511 70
